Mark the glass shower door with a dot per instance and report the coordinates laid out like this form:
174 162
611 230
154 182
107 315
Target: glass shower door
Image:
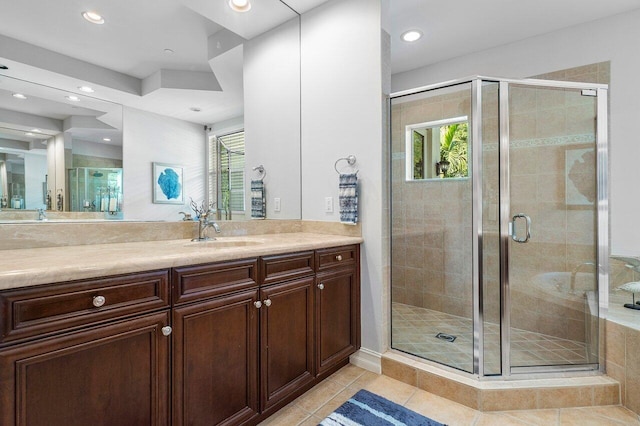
549 227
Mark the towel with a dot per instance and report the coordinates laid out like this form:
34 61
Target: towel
348 196
258 200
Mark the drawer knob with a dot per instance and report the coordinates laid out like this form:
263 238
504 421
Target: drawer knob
99 301
166 330
339 257
257 304
267 302
321 286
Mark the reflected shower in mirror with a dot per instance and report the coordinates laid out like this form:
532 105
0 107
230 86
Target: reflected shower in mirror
44 134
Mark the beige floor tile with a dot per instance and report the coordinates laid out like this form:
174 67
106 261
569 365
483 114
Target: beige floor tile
318 396
535 417
617 413
391 389
312 421
347 375
441 409
336 401
590 417
288 416
365 379
495 419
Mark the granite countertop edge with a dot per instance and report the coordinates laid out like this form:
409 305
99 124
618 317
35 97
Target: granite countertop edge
30 267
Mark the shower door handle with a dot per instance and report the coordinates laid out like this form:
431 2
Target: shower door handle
514 233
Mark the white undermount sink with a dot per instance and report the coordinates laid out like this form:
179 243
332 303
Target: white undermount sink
225 242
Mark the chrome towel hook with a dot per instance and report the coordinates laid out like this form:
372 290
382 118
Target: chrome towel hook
262 172
350 159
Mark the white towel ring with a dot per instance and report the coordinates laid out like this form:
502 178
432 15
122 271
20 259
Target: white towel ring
351 160
260 169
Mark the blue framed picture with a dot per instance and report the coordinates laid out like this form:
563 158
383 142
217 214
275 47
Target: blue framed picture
168 183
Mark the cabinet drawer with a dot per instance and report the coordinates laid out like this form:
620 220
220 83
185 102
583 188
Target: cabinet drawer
337 256
286 267
204 281
46 309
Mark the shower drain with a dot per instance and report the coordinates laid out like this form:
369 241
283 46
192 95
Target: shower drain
446 337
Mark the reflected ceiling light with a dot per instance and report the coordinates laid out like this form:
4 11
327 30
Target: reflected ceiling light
19 96
411 36
29 134
106 139
195 109
93 17
73 98
168 51
86 89
36 130
240 5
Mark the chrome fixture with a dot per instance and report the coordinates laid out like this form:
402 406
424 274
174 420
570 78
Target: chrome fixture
42 214
203 224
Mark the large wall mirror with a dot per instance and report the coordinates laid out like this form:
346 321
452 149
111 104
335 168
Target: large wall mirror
215 73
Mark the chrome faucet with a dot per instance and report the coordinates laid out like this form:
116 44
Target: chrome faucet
42 214
203 224
575 272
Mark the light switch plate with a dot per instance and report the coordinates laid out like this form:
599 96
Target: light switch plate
276 204
328 204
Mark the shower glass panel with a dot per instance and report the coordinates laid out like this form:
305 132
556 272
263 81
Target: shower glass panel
432 236
552 169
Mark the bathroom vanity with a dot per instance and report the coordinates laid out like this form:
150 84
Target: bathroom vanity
228 341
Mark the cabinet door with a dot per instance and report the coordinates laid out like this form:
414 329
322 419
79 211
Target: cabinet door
286 339
111 375
215 361
337 316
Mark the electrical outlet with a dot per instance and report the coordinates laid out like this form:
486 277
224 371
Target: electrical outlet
328 204
276 204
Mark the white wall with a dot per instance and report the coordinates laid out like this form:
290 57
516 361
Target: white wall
35 170
149 138
613 39
272 116
342 115
81 147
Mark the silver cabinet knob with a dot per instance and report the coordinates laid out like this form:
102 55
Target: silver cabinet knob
257 304
339 257
166 330
321 286
99 301
267 302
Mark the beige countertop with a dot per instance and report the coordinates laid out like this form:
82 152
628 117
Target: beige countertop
28 267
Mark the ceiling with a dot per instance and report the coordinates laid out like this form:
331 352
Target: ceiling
125 59
458 27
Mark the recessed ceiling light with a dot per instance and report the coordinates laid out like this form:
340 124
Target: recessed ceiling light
411 35
106 139
86 89
29 134
168 51
36 130
72 98
195 109
93 17
19 96
240 5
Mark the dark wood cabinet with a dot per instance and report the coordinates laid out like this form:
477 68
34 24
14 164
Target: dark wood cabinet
115 374
337 317
286 339
215 361
226 343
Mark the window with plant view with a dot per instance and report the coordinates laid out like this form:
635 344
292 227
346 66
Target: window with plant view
438 149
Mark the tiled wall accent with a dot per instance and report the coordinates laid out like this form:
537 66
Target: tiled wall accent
503 395
623 362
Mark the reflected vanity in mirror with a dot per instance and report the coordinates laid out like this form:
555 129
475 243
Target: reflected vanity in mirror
48 138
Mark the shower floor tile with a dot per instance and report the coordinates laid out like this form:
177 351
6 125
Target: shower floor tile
414 330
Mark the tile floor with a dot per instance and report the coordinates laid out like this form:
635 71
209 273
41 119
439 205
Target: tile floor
310 408
415 328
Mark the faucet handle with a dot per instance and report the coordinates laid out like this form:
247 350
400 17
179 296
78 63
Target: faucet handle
187 216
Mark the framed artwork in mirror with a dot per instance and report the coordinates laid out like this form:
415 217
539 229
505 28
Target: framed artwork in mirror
168 183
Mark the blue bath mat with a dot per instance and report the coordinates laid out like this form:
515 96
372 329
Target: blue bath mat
368 409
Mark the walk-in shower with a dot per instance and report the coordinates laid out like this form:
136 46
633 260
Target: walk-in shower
499 224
